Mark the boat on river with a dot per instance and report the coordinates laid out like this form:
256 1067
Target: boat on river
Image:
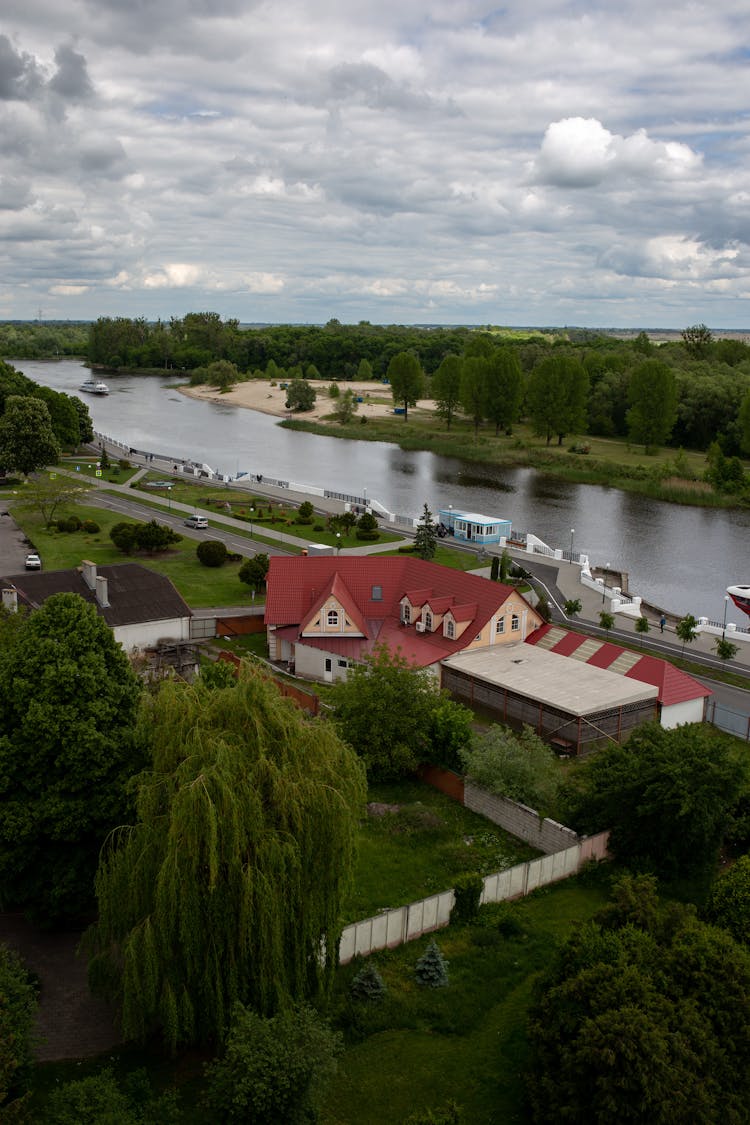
740 595
94 387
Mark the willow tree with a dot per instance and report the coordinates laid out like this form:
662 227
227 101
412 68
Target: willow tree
230 883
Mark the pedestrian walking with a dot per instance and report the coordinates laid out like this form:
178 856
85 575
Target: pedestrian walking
662 622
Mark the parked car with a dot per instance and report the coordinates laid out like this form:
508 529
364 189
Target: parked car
200 523
33 562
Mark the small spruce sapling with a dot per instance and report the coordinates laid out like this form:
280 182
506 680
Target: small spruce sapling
431 969
367 984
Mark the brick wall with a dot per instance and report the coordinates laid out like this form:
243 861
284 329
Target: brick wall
546 835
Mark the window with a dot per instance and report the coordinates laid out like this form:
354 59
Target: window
342 664
500 625
377 593
406 614
450 629
514 623
333 619
428 621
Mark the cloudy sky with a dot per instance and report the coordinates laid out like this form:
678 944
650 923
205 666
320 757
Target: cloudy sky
539 162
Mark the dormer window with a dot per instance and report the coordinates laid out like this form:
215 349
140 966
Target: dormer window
377 593
333 619
450 629
428 621
406 614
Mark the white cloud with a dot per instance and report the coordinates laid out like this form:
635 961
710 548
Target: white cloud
528 163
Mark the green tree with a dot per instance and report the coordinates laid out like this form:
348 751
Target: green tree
606 621
666 796
557 395
212 552
124 535
503 389
687 630
627 1026
68 701
406 379
572 607
18 1006
47 494
697 340
300 395
101 1100
85 425
345 406
744 421
431 969
230 883
725 650
27 440
729 902
652 395
364 371
474 389
154 537
273 1070
305 512
519 766
642 627
367 985
425 540
446 388
254 571
383 709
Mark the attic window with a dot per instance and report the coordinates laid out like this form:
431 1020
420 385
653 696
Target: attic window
450 629
515 623
333 619
428 621
377 594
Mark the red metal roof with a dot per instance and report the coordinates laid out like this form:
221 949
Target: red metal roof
295 586
673 685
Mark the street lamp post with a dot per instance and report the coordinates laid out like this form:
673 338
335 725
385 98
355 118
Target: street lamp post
724 626
252 513
338 541
572 533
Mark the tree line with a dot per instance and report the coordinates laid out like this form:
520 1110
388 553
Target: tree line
36 423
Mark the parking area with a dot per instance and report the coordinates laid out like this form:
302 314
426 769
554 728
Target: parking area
13 545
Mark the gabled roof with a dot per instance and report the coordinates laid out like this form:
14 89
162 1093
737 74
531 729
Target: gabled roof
673 685
337 588
136 594
295 584
463 612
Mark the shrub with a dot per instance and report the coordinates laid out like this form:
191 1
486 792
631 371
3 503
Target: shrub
410 550
124 463
212 552
305 513
367 984
431 969
274 1070
318 527
18 1003
100 1098
367 536
90 527
72 524
467 891
521 767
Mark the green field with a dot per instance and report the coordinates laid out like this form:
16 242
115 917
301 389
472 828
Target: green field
199 585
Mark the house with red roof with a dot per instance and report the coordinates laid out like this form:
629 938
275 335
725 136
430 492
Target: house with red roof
680 698
325 613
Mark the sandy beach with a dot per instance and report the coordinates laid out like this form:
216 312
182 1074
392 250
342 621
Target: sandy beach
259 394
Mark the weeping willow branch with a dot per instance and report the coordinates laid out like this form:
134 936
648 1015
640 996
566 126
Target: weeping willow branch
231 880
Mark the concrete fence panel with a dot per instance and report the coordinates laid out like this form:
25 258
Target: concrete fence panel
533 875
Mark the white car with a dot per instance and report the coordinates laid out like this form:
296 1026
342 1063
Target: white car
200 523
33 562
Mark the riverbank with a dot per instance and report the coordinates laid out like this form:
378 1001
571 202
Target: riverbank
672 476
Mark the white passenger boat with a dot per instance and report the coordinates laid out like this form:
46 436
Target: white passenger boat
94 387
740 595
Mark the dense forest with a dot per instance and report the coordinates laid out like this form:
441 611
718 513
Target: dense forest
691 393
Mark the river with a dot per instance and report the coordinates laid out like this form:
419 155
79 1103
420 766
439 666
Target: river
678 557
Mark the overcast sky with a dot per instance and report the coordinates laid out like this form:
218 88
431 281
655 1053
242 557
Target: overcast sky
534 163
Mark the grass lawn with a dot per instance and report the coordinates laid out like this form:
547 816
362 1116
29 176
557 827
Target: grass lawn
467 1042
420 850
199 585
448 556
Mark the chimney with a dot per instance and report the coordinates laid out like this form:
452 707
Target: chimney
89 574
101 591
10 599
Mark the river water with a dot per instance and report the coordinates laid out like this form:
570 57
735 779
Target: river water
678 557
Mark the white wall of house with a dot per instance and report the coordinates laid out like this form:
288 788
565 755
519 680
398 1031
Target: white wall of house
679 713
311 663
144 635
